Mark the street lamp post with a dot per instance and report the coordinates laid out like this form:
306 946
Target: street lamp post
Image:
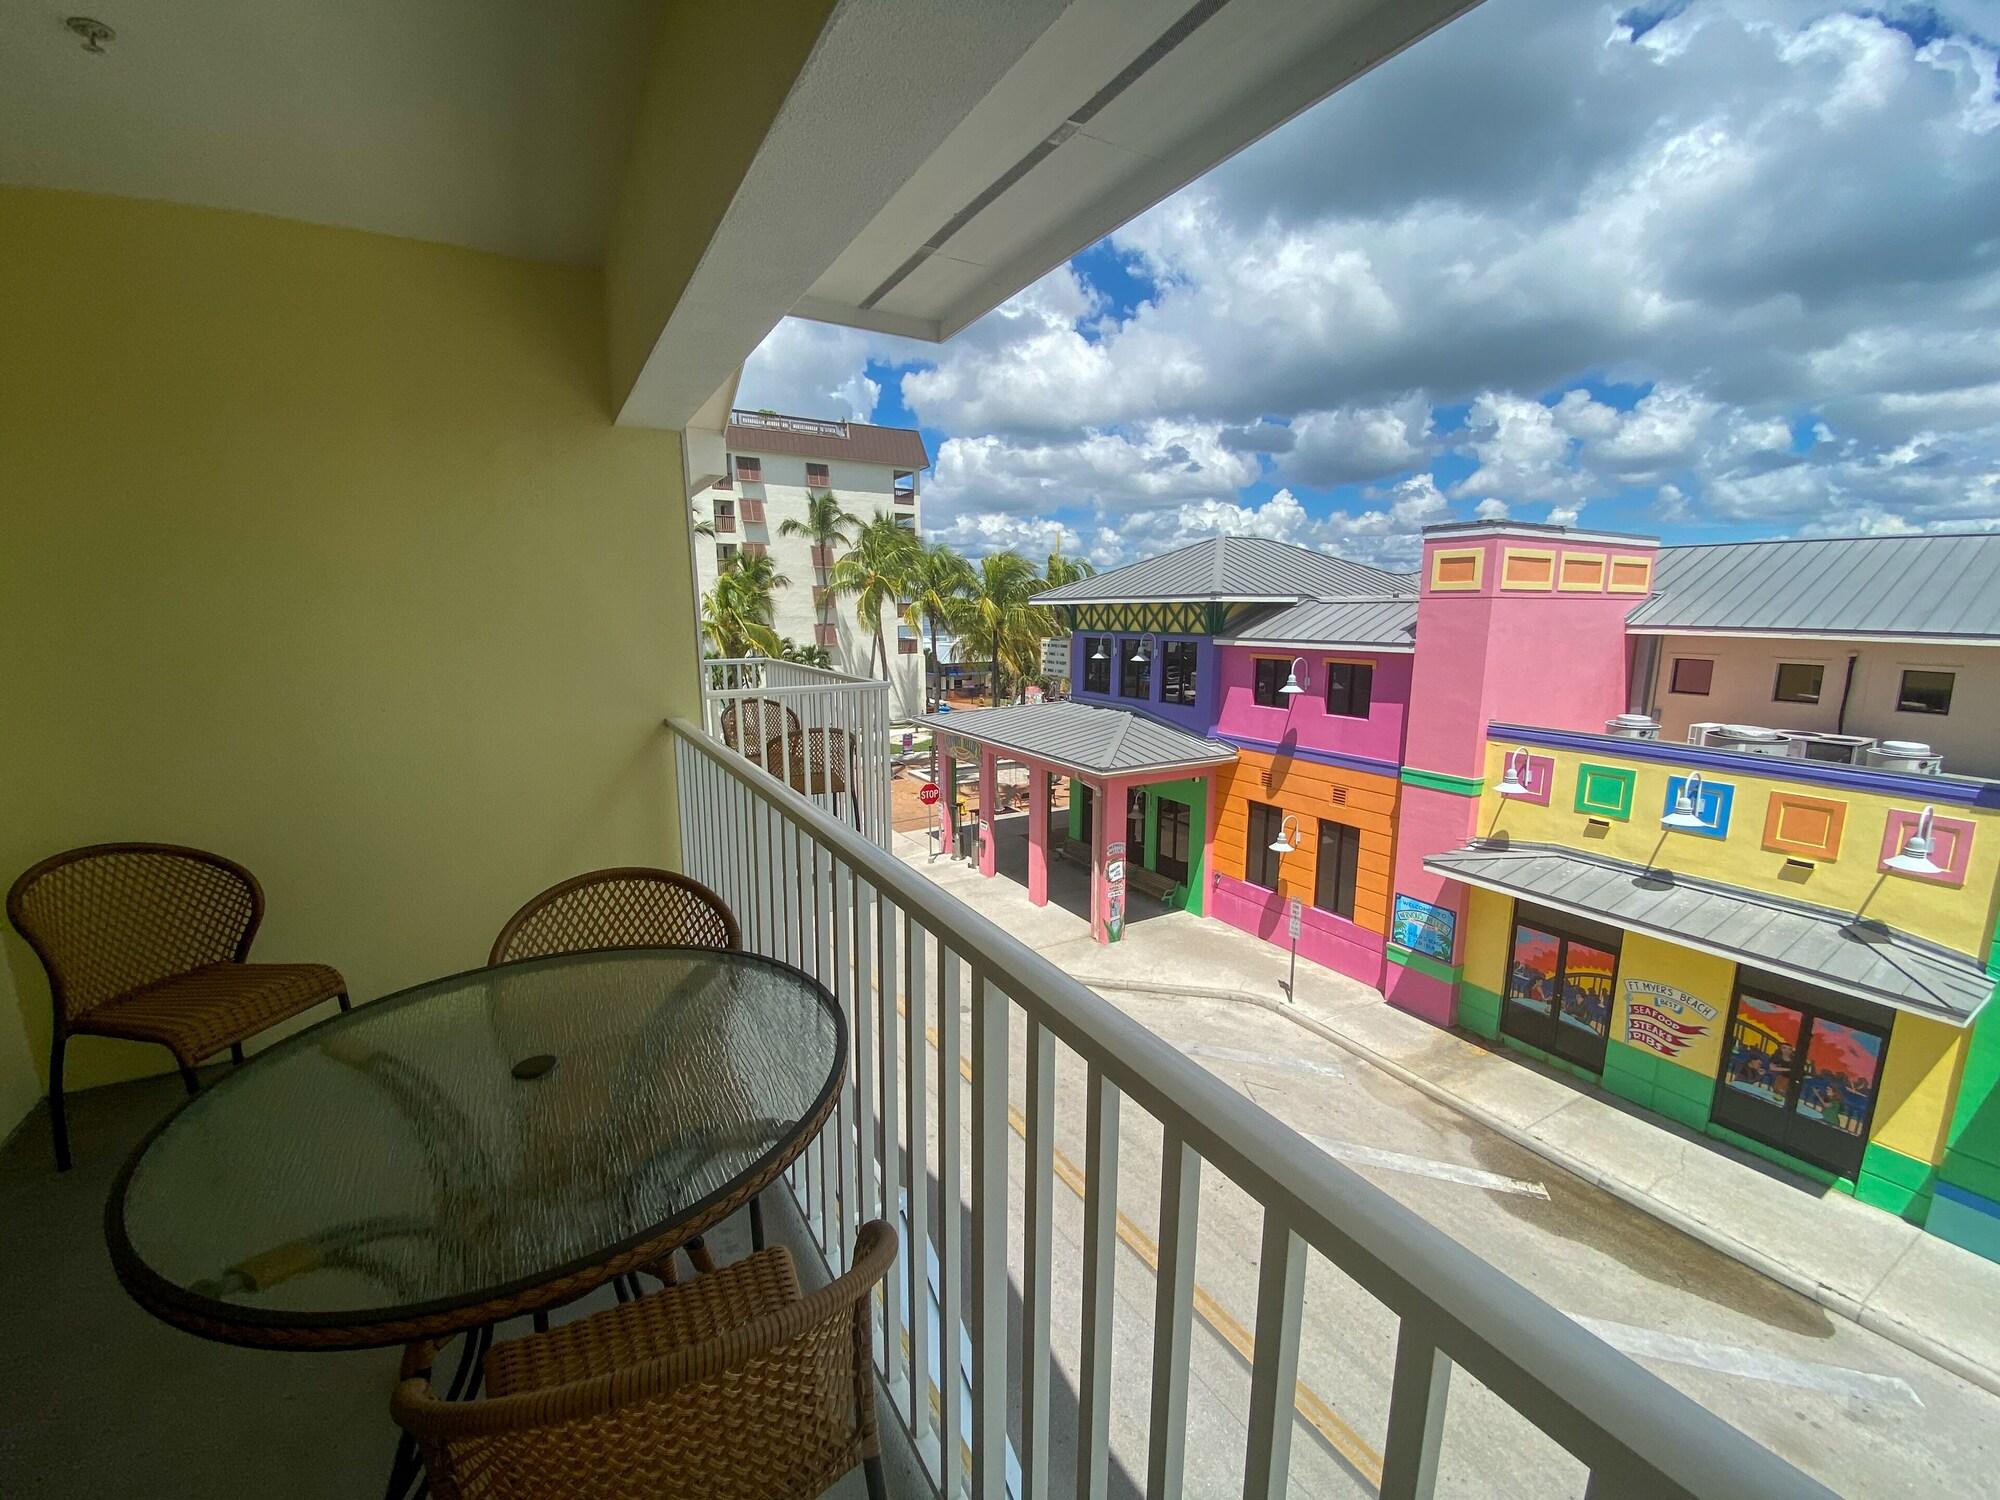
1281 846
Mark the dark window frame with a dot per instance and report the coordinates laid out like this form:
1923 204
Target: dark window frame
1905 704
1345 840
1128 646
1171 813
1263 825
1674 685
1265 683
1350 689
818 476
1179 665
1778 693
1565 929
1096 674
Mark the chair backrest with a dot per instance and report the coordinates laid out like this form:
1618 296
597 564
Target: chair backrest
783 1405
108 918
748 725
813 762
632 907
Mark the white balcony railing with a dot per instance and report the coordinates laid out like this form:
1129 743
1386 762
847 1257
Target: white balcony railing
917 972
835 728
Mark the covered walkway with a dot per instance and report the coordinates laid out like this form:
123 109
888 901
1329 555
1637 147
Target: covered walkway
1106 752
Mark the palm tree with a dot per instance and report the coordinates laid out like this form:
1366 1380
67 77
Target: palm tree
873 573
826 522
736 614
1062 570
1000 620
936 590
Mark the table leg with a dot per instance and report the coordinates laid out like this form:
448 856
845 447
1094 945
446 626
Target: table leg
407 1480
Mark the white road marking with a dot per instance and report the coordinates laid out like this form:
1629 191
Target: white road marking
1753 1364
1423 1166
1217 1053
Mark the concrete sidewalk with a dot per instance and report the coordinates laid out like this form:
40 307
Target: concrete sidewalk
1919 1291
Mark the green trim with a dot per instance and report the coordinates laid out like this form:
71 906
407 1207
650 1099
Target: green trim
1605 791
1478 1009
1191 792
1423 963
1549 1059
1971 1174
1442 781
1893 1166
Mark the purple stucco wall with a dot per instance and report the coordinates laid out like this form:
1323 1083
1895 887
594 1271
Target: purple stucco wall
1196 718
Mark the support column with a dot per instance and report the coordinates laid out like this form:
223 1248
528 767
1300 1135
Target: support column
1097 892
948 804
989 787
1038 835
1108 896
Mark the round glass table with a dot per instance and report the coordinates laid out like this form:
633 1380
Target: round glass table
476 1148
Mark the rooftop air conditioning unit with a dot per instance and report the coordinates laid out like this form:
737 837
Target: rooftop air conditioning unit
1698 733
1834 749
1910 756
1749 739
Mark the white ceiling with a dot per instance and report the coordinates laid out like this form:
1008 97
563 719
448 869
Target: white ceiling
495 124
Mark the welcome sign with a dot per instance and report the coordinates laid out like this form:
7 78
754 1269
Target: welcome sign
1663 1018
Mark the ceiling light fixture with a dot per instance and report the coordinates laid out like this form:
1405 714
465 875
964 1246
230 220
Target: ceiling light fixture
94 33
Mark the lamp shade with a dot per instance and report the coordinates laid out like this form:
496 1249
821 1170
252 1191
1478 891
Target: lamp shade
1915 857
1687 807
1514 779
1293 687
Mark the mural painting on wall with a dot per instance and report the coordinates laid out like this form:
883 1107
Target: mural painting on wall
1114 889
1580 995
1662 1018
1843 1064
1424 928
1841 1067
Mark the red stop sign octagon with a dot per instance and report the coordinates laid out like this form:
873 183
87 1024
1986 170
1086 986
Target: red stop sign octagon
928 794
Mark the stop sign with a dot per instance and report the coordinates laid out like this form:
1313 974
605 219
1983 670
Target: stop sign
928 794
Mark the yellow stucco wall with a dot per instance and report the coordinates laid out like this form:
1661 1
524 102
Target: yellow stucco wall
1960 918
1677 982
1919 1083
1488 939
322 551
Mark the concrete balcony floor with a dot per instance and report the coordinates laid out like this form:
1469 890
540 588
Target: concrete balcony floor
104 1399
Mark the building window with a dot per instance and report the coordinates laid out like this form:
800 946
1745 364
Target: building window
817 477
1559 985
1096 664
728 468
1170 841
906 645
1271 675
907 523
725 553
725 515
1925 693
827 635
750 470
1798 682
903 488
1177 672
1260 860
1350 688
1692 675
1339 853
1799 1078
1135 670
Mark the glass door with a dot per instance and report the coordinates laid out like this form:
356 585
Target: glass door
1798 1079
1087 807
1170 853
1559 993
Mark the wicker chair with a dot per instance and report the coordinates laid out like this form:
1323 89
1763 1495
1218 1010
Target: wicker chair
628 907
749 726
733 1387
817 763
148 943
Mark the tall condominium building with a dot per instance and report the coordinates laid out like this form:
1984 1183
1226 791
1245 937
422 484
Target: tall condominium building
775 465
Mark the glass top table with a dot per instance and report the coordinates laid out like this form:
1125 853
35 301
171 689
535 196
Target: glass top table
477 1147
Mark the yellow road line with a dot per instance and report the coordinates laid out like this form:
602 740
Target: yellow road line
1327 1422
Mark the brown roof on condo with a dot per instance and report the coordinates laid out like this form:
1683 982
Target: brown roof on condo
810 437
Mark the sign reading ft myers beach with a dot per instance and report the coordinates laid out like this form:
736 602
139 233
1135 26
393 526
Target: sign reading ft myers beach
1656 1016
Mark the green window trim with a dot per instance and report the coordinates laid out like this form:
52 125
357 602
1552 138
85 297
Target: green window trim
1606 791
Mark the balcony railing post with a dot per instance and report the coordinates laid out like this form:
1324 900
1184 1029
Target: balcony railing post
1417 1396
1274 1372
1037 1272
989 1239
1173 1316
1100 1262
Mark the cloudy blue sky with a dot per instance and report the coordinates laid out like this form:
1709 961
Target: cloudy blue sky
1724 268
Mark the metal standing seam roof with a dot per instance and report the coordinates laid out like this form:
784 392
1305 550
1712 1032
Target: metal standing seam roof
1379 624
1235 569
1097 741
1935 586
1828 948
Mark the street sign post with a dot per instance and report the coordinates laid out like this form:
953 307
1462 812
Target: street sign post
1294 919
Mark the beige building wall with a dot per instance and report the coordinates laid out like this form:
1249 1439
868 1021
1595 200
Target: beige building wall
323 552
862 489
1745 676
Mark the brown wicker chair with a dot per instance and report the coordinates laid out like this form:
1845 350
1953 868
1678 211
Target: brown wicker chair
148 943
817 763
630 907
749 726
732 1386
